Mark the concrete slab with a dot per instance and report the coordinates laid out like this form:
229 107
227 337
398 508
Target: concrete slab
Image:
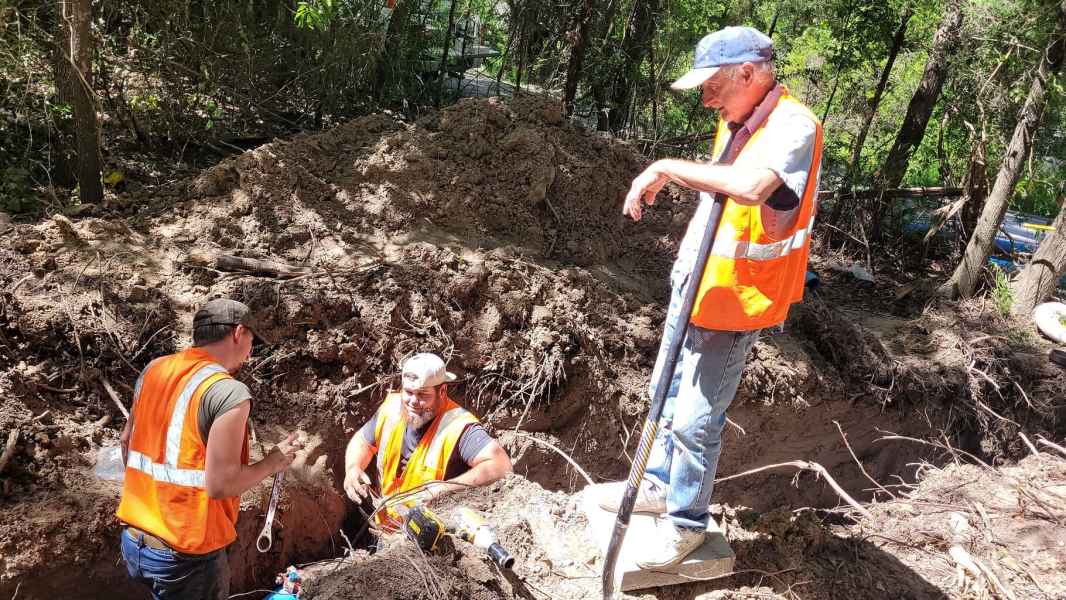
714 559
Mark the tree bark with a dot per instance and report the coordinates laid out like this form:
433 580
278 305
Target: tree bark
875 101
393 46
964 280
868 118
74 88
639 35
773 22
444 54
1040 277
945 43
577 56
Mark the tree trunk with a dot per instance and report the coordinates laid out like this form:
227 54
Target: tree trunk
393 46
975 184
773 22
945 43
875 101
964 280
1041 276
523 52
74 88
639 35
868 118
577 56
832 94
444 54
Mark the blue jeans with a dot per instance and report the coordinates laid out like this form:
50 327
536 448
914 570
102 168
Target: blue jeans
175 576
684 457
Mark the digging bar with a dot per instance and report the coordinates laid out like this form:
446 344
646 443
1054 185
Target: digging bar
662 387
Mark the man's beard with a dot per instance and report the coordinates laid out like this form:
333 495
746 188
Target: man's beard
415 420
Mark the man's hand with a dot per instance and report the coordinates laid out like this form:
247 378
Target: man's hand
356 484
285 452
643 189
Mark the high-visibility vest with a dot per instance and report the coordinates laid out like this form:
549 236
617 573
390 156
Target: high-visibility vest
165 491
752 278
429 461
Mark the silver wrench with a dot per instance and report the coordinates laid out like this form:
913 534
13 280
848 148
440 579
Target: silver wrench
266 540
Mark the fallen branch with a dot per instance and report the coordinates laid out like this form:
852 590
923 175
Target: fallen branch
808 466
9 448
892 436
1041 440
114 396
560 453
967 564
861 468
738 427
915 192
1032 448
240 264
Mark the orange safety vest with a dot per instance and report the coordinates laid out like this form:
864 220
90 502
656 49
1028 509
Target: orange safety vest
429 461
752 278
165 492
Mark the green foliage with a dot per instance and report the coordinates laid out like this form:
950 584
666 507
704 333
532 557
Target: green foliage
15 190
314 14
1002 297
178 71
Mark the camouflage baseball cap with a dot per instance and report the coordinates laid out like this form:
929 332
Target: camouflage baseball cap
223 311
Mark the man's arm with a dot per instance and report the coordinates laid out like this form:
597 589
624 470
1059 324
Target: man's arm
124 439
358 453
489 466
226 475
356 459
745 185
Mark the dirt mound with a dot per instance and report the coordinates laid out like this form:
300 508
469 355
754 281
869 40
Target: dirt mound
489 232
903 550
1008 520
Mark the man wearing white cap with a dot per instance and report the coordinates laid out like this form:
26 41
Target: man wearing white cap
765 164
421 435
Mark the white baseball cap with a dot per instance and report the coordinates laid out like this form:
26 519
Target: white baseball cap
425 370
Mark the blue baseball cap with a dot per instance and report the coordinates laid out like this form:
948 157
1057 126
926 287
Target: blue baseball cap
729 46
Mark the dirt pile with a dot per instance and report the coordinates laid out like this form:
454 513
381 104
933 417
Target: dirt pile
1008 520
411 237
490 233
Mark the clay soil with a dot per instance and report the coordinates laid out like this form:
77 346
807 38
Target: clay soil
491 233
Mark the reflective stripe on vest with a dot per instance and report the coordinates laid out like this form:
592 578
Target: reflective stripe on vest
165 489
165 473
169 471
727 248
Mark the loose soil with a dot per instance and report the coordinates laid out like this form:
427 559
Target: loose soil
491 233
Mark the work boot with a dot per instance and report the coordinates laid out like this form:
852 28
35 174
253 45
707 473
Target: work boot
671 546
651 497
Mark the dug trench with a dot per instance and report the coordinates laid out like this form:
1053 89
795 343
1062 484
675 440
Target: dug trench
490 233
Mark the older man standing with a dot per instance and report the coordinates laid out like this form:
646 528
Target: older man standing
420 435
765 164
